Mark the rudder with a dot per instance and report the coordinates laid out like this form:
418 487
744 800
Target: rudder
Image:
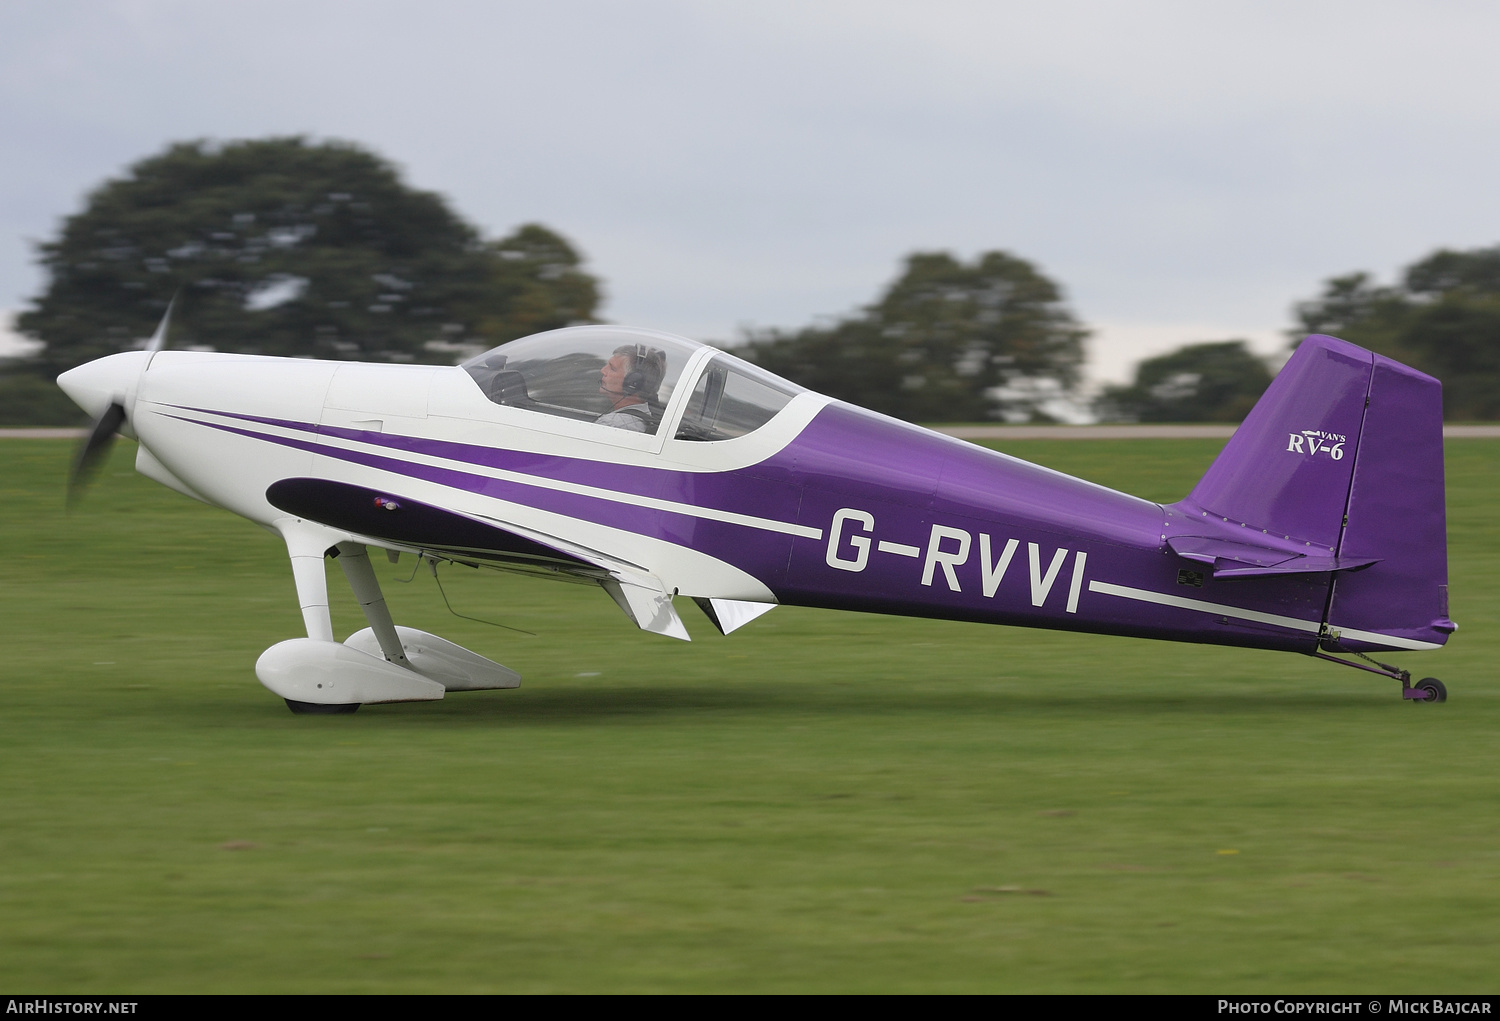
1396 512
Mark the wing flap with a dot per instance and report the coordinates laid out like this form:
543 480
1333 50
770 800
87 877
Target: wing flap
731 614
646 601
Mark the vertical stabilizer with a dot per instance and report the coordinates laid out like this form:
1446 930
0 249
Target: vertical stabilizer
1288 467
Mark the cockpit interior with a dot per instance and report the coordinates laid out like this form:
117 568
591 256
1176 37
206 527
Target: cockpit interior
569 373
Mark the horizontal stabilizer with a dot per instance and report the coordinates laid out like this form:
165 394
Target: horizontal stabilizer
1207 550
1298 565
1247 560
731 614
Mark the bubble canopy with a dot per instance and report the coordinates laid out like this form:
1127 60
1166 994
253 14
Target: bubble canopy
587 373
560 372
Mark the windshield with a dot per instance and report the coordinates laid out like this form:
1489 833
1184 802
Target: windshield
617 376
733 398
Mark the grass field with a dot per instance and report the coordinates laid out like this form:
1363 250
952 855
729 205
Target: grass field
821 802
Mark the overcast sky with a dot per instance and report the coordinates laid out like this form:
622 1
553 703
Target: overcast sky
1185 170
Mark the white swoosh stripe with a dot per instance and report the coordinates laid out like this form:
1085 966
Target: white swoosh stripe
1162 599
575 488
1380 639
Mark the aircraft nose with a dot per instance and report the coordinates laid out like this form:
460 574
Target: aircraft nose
95 385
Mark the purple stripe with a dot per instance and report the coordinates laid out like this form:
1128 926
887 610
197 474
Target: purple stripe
503 489
711 490
759 553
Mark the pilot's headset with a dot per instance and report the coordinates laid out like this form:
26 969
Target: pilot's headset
648 367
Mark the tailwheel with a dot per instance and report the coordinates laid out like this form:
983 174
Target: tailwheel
1428 689
1436 690
320 709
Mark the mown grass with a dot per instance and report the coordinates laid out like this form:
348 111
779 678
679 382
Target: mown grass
820 802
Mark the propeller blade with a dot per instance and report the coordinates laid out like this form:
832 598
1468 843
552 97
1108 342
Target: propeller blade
94 450
101 437
159 338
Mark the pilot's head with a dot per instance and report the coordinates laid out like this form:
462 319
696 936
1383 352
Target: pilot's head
634 371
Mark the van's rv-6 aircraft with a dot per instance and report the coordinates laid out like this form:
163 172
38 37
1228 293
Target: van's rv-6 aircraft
655 466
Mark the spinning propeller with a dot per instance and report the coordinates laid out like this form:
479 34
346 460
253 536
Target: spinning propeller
95 448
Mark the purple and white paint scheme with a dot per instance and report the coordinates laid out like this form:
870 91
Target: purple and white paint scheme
1319 529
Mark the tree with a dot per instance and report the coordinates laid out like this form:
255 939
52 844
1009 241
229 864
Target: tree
1442 318
536 284
27 398
1214 382
945 342
283 246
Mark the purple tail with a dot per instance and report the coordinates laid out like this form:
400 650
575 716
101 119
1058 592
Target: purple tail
1344 455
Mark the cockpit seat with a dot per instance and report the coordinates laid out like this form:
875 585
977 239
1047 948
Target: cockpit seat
509 387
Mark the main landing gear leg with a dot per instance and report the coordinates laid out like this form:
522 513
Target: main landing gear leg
318 675
308 548
1428 689
355 560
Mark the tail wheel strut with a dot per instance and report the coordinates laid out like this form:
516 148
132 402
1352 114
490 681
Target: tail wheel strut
1428 689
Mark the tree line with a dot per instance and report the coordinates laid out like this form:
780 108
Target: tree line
283 246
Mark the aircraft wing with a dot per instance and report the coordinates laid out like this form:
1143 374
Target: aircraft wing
390 519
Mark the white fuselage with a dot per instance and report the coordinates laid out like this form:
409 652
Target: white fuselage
225 427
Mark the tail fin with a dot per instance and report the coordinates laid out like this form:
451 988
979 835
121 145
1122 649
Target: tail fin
1344 454
1288 466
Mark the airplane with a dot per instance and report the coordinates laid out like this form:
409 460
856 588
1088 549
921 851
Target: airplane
655 467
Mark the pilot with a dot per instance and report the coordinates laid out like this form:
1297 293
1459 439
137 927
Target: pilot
631 378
